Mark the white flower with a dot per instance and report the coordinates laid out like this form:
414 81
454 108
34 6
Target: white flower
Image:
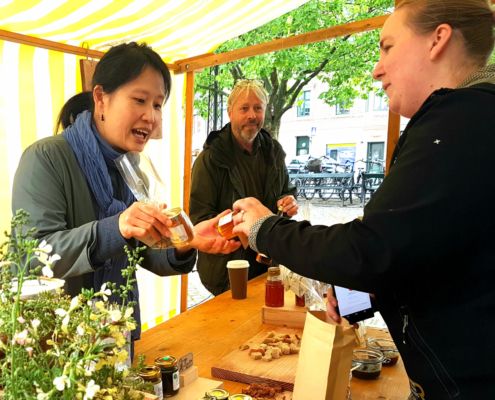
91 390
21 338
60 312
115 315
128 312
35 323
105 292
42 395
90 368
80 329
74 303
60 382
47 271
65 323
42 253
21 320
44 247
30 351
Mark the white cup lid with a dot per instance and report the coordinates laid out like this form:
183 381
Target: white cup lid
238 264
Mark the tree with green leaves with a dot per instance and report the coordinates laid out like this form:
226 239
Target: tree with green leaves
344 64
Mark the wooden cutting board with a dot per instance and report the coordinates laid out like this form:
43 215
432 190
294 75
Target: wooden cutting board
240 367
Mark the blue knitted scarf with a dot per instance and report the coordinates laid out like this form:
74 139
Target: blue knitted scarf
95 157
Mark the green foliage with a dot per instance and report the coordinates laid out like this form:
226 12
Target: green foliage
52 346
344 64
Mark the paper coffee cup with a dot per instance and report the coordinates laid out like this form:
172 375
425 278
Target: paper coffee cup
238 277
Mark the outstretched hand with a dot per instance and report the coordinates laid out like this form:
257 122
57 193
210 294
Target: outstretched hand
208 240
249 210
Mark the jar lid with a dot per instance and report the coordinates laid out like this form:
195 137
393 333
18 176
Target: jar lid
366 356
166 361
172 212
150 372
240 396
272 271
381 344
218 394
133 380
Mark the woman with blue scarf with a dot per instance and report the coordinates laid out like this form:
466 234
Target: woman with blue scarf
78 201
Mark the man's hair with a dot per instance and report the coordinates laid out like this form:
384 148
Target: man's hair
247 85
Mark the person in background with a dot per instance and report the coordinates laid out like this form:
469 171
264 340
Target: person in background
425 244
77 200
240 160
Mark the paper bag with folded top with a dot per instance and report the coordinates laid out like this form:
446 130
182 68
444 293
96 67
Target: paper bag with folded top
325 359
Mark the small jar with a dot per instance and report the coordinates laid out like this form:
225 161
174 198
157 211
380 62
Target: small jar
217 394
388 349
182 231
366 364
225 226
152 374
133 381
170 375
240 396
274 289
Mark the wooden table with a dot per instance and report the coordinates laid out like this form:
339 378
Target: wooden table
216 327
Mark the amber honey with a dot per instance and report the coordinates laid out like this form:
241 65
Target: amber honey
226 225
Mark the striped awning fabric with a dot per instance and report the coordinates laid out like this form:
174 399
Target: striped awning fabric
176 29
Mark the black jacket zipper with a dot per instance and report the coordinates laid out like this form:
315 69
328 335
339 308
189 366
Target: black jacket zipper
412 337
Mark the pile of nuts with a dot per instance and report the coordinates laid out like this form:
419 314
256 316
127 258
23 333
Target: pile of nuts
274 346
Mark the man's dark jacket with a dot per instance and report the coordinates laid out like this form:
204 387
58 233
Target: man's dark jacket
425 247
217 183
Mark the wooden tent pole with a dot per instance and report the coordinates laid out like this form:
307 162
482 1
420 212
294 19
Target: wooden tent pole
189 107
393 131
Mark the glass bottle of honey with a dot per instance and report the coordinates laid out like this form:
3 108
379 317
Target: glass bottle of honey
274 289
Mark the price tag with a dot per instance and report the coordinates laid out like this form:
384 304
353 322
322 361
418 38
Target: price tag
185 362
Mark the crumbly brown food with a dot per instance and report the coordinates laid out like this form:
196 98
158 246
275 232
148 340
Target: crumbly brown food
261 391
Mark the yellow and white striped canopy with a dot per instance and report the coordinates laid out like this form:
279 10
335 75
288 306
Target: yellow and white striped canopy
176 29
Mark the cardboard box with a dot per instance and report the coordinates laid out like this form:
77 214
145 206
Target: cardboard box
289 315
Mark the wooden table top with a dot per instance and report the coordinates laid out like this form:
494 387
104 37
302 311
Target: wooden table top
216 327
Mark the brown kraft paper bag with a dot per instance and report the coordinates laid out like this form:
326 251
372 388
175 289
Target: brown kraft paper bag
325 359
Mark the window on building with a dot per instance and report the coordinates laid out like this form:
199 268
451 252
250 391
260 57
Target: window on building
375 157
302 145
341 110
303 104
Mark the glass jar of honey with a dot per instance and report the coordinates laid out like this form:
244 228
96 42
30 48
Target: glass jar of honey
225 226
152 374
274 289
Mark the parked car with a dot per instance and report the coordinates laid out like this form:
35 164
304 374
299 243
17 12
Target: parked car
298 164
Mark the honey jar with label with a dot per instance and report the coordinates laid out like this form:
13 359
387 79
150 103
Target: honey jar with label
152 374
170 375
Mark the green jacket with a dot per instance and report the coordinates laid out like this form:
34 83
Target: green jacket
50 185
217 183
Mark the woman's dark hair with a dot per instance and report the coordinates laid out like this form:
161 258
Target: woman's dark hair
119 65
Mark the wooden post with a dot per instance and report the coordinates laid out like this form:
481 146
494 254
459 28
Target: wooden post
393 131
189 106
